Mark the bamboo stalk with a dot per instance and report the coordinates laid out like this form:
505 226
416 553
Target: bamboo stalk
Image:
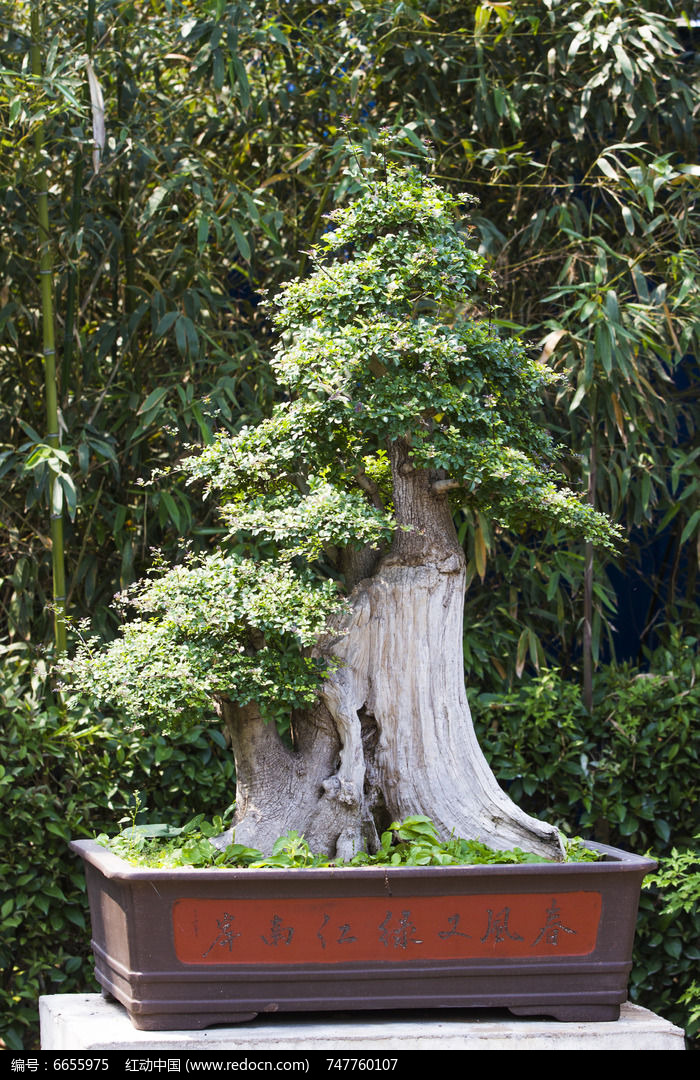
75 214
49 355
588 578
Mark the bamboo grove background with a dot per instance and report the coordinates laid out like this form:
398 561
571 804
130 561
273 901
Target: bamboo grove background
573 122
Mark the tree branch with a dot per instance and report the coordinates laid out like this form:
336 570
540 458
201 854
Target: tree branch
441 487
371 488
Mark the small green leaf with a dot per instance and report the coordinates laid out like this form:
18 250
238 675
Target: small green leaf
154 398
202 232
241 241
521 654
155 200
605 166
242 83
165 323
181 334
690 527
628 219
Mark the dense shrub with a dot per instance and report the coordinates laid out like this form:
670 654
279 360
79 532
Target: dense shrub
63 778
628 775
679 878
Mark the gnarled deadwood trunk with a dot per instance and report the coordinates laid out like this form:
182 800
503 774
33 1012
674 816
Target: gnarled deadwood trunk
391 734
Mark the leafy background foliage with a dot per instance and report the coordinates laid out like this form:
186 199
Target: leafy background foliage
572 121
573 124
627 775
61 778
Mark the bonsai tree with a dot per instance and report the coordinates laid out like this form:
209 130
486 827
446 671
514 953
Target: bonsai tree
328 633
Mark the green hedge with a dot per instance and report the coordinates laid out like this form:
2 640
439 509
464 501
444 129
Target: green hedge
65 778
629 775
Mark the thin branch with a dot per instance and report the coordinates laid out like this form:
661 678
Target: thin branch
441 487
371 488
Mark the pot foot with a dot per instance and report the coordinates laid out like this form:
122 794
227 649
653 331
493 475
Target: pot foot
570 1014
180 1021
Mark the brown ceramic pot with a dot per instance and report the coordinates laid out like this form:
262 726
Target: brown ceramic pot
188 948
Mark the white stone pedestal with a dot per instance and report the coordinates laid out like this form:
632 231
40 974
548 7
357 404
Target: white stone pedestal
86 1022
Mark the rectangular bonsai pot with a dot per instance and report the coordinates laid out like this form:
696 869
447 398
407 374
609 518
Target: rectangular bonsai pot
188 948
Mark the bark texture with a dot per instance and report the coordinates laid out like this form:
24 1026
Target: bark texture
391 734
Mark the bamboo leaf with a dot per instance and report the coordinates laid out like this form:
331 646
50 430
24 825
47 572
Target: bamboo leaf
619 420
241 241
624 62
192 337
690 527
164 325
218 69
102 447
605 167
155 200
172 508
521 654
603 346
550 343
154 398
576 43
70 495
482 16
628 219
181 335
689 170
242 83
553 586
202 232
277 35
83 457
98 116
480 552
534 648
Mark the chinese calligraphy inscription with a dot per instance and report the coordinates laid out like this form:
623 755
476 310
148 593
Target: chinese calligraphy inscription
302 931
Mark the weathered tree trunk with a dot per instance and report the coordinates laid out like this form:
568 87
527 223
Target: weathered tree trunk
392 733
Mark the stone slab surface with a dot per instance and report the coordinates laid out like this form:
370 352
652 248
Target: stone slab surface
73 1022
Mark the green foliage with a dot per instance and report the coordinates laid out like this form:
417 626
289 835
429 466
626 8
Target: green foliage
363 369
413 842
381 344
678 878
220 626
573 122
627 775
61 778
680 872
147 254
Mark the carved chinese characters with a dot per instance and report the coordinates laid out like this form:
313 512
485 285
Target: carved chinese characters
303 931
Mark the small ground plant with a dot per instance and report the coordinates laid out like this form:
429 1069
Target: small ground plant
413 842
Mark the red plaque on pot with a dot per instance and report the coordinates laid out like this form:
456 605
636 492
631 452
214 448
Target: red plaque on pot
297 931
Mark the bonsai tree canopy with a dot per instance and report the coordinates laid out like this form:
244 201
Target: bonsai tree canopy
336 611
